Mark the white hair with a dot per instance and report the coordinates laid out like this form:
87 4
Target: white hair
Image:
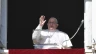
55 19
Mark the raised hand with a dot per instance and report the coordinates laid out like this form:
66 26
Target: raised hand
41 20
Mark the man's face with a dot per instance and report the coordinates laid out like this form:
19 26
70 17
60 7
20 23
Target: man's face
52 24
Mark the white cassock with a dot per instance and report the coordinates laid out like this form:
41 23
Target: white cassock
46 38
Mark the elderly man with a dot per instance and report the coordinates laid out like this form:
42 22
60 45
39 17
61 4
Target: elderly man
50 38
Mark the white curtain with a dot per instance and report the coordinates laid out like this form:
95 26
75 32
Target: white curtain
88 25
3 37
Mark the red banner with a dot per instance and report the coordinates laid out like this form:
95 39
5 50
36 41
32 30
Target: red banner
46 51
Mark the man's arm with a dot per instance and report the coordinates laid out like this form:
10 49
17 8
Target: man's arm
37 31
65 47
36 34
67 43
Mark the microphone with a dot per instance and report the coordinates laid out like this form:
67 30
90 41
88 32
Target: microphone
82 21
75 32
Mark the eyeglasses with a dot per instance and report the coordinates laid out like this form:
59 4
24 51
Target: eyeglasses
52 22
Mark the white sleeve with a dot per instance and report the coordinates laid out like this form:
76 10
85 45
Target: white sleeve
67 41
36 34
